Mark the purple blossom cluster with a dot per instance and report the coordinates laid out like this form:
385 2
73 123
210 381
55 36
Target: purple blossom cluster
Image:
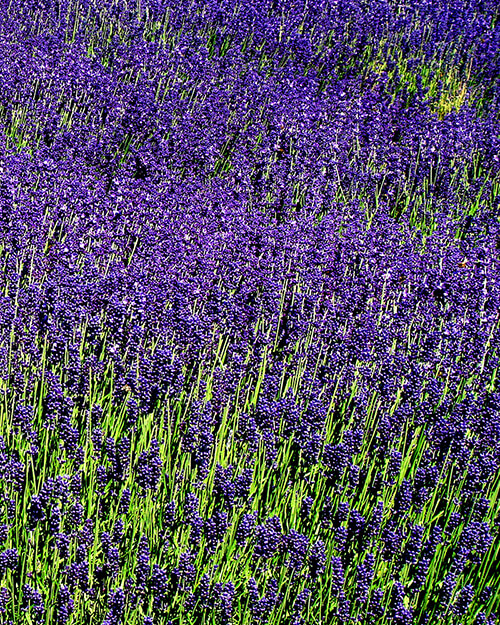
249 312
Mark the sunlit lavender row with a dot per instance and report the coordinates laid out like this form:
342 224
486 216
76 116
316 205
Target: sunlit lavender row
249 312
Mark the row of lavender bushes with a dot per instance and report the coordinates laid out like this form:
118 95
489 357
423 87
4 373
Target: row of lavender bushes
249 312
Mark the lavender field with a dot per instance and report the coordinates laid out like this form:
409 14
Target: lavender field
249 312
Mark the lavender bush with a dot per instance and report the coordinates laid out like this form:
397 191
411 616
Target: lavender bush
249 312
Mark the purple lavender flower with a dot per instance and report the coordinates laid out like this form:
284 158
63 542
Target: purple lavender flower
354 473
268 538
245 528
375 608
394 465
340 535
400 613
8 560
113 562
65 605
224 489
4 600
149 467
453 522
342 513
435 538
118 531
476 536
326 514
336 458
116 604
203 591
185 572
62 543
344 609
124 502
486 594
364 578
356 527
102 479
392 542
413 545
404 496
447 588
305 509
159 586
261 607
317 559
299 605
75 516
374 524
197 524
142 568
191 507
36 512
226 603
244 483
337 579
420 576
169 514
297 546
215 529
77 575
4 533
33 602
461 605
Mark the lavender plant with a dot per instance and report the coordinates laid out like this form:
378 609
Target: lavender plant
249 312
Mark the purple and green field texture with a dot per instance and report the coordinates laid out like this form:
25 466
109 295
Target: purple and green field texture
249 312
